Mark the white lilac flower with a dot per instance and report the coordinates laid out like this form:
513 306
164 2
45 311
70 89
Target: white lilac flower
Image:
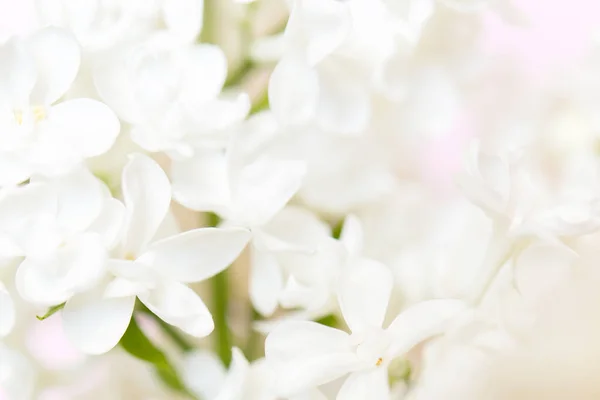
154 271
62 228
17 374
39 134
307 354
171 96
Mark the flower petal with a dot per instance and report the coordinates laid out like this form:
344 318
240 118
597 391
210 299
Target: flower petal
204 373
364 293
196 255
57 56
205 72
422 321
109 223
293 91
87 126
200 183
234 385
184 17
372 384
180 306
17 74
147 196
96 324
306 354
7 312
266 282
264 188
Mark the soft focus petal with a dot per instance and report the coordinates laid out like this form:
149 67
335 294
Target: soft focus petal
234 385
366 385
266 282
184 17
264 188
307 354
7 311
109 223
88 126
196 255
17 74
204 74
293 91
96 324
352 235
420 322
204 373
147 195
364 293
57 57
200 183
178 305
17 379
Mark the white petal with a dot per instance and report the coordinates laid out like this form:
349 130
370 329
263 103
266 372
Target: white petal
115 87
81 197
109 223
74 267
147 195
420 322
266 282
364 293
204 373
17 74
178 305
344 103
366 385
200 183
87 126
264 188
324 24
293 91
298 227
307 354
352 235
234 385
204 75
196 255
13 170
7 312
57 57
95 324
184 17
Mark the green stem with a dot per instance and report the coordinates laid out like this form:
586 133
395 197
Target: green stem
253 341
220 286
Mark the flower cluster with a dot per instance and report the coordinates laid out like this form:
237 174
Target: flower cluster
301 200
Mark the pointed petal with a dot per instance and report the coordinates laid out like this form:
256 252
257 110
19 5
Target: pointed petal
364 294
372 384
264 188
87 126
95 324
180 306
306 354
7 312
196 255
234 385
57 56
17 74
420 322
109 224
352 235
147 196
266 282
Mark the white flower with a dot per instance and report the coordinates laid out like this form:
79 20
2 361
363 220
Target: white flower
307 354
153 270
170 96
206 376
62 228
102 24
38 134
7 311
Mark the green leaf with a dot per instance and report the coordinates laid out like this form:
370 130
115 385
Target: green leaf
51 311
135 342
